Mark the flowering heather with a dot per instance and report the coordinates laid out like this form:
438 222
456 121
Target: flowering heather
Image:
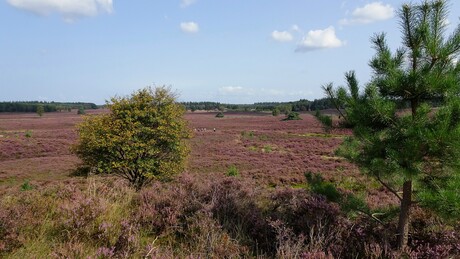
265 211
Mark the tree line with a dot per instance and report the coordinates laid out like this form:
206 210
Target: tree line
33 106
297 106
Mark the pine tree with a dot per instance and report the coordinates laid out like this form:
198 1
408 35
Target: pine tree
413 152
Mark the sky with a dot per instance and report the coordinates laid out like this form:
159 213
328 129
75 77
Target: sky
228 51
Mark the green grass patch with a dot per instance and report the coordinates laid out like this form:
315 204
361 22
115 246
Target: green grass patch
233 171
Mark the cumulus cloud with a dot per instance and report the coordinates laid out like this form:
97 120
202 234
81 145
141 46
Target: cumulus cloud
186 3
369 13
319 39
69 9
189 27
282 36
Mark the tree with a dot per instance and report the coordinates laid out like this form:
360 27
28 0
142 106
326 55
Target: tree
142 139
40 110
414 153
276 111
81 110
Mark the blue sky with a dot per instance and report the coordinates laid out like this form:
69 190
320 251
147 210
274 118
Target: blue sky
229 51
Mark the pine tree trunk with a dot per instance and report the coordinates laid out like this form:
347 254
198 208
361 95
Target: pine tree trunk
404 215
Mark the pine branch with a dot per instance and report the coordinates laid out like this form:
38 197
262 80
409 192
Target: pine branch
388 187
329 92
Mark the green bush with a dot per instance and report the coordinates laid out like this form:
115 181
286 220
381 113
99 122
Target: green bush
40 110
81 110
143 138
292 116
28 134
233 171
220 115
325 120
26 186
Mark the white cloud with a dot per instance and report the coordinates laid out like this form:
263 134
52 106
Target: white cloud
370 13
189 27
186 3
69 9
319 39
282 36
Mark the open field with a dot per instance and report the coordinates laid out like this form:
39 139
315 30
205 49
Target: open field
263 148
266 210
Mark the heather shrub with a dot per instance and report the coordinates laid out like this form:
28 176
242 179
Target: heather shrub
78 218
180 214
430 239
205 237
309 216
9 231
23 215
235 208
288 244
197 216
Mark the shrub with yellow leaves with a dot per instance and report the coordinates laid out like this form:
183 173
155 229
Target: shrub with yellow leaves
141 139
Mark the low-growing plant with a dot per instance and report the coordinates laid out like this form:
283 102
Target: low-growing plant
220 115
28 134
26 186
325 120
233 171
292 116
247 134
267 149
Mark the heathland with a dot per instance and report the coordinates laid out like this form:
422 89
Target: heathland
251 188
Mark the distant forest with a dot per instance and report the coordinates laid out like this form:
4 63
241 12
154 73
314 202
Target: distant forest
297 106
47 106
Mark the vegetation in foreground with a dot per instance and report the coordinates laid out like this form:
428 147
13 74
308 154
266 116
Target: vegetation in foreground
223 217
414 155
